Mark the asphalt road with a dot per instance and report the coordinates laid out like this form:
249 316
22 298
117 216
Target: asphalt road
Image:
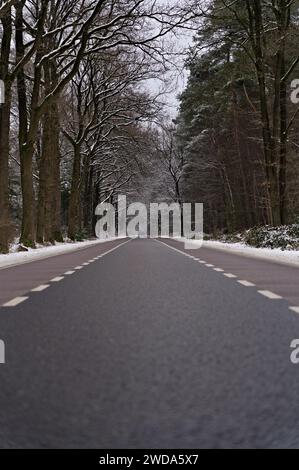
147 347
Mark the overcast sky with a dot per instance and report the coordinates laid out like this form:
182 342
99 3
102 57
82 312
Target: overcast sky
178 78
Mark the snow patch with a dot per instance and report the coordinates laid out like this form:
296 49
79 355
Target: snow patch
275 254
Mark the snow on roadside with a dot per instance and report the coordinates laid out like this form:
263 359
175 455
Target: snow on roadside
290 257
15 258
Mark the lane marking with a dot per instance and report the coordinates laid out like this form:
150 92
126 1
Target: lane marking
57 279
175 249
210 265
294 309
85 264
265 293
68 273
269 294
246 283
115 248
78 268
40 288
14 302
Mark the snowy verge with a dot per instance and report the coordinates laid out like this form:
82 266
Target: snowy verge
43 252
289 257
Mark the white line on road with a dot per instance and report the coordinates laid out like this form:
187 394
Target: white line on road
68 273
210 265
175 249
265 293
40 288
246 283
15 302
85 264
78 268
294 309
115 248
269 294
57 279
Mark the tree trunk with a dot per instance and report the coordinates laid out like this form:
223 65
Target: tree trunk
87 204
4 133
75 199
255 14
49 200
27 136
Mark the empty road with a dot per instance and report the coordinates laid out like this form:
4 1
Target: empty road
141 344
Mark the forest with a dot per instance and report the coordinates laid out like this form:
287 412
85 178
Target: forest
79 125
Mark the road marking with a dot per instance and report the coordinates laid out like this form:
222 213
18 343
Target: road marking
173 248
210 265
202 262
229 275
15 302
57 279
85 264
40 288
68 273
78 268
294 309
246 283
219 270
91 260
269 294
115 248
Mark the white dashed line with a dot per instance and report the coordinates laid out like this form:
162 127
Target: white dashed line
85 264
57 279
246 283
68 273
294 309
269 294
78 268
40 288
265 293
15 302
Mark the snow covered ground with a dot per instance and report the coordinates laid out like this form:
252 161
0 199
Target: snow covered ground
290 257
42 252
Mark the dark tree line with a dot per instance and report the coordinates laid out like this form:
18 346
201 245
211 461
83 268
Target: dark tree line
77 126
237 124
71 125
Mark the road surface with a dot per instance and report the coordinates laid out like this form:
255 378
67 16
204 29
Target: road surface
149 347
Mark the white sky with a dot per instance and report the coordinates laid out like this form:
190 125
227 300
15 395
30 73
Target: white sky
177 79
